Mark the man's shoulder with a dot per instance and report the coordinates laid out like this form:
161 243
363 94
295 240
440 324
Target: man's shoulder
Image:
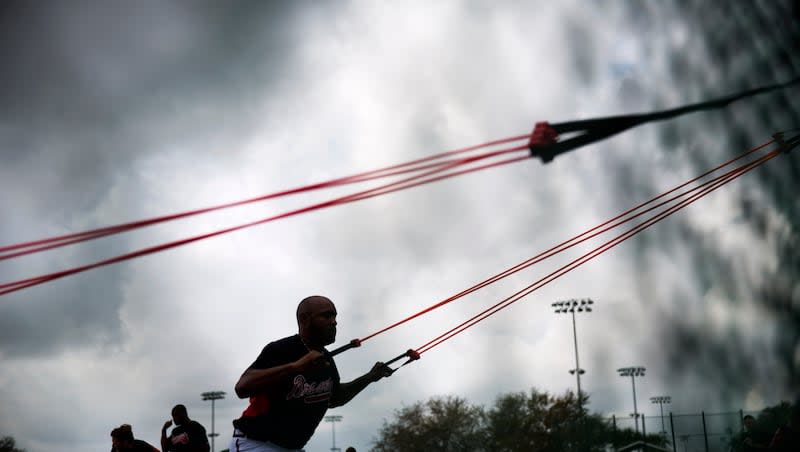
287 343
280 352
197 433
196 425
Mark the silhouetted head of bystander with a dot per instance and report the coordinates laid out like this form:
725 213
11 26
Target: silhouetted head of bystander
122 437
749 423
179 415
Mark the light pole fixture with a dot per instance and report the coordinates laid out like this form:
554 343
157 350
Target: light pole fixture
570 306
212 396
633 372
333 419
661 400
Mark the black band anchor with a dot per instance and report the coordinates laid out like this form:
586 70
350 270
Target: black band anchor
411 354
544 141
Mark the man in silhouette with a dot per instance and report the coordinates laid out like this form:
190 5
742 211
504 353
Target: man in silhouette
187 436
122 441
293 382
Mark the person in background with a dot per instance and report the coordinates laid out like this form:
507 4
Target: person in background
187 436
787 438
753 440
122 441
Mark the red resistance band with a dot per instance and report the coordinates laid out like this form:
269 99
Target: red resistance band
542 143
24 248
699 191
438 172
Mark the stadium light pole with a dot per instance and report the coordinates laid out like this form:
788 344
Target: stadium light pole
633 372
570 306
333 419
661 400
212 396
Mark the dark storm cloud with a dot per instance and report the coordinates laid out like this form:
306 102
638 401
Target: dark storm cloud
755 44
78 312
89 88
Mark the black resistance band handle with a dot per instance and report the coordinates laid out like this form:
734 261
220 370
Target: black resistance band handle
355 343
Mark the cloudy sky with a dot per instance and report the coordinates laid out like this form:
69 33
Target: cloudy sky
116 111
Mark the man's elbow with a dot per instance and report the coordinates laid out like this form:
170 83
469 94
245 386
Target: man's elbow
334 403
339 398
241 392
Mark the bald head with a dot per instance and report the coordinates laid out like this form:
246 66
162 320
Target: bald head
309 304
316 320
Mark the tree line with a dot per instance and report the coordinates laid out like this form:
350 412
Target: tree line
8 444
516 422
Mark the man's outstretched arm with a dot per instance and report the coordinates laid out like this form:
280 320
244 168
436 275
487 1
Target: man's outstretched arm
346 391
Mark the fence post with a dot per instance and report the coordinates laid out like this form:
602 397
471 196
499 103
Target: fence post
705 433
741 420
672 429
644 429
614 438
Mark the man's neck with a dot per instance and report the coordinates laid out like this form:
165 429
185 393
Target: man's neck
311 344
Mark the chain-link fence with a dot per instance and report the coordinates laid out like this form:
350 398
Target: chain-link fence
702 432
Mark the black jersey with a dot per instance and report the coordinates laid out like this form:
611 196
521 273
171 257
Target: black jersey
288 412
188 438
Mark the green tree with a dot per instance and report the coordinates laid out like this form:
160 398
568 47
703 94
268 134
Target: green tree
7 444
517 422
446 424
767 422
538 422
